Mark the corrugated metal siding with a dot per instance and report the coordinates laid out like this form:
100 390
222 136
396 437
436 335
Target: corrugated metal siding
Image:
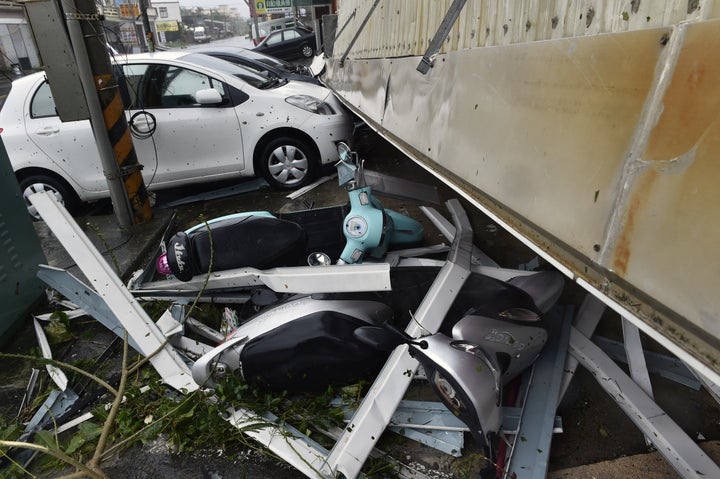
405 27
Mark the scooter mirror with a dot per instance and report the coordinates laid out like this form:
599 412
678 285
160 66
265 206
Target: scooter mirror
344 151
319 259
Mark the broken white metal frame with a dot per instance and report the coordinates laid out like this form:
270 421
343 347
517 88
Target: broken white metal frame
634 399
91 303
115 303
118 299
375 413
680 451
663 365
529 457
56 374
296 279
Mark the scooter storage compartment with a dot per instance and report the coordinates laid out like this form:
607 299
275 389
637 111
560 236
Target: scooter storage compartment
310 354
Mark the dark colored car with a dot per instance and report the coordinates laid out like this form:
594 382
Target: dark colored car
264 64
288 43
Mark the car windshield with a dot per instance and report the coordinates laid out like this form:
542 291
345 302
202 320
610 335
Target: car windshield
252 77
269 61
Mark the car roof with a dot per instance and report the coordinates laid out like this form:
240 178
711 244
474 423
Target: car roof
220 48
31 78
165 55
296 27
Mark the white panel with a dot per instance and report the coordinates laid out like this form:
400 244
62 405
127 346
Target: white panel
598 149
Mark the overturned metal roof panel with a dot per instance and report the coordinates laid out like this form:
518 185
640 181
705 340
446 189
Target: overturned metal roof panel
597 145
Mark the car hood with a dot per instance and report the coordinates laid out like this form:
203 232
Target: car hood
304 88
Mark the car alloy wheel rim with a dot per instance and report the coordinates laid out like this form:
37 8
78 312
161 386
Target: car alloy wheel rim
38 188
307 51
288 165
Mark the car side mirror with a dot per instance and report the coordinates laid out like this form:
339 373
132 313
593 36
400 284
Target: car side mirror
209 96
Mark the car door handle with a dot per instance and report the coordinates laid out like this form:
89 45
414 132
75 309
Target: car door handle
48 130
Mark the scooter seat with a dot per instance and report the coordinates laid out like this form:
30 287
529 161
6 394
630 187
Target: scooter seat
544 287
243 242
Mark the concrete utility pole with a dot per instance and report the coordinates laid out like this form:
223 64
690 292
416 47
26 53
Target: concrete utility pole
254 15
107 115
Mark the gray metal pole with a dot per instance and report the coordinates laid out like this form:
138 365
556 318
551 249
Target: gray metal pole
118 194
149 38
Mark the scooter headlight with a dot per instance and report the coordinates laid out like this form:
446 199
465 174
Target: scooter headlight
311 104
447 392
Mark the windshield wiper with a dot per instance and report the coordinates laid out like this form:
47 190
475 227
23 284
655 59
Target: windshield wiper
270 83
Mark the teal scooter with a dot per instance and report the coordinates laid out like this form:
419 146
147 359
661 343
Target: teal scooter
351 233
369 228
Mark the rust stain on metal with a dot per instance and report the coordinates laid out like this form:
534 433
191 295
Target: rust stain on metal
623 250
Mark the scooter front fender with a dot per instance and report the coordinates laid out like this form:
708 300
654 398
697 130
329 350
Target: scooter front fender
467 380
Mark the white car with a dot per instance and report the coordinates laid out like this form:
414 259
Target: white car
193 118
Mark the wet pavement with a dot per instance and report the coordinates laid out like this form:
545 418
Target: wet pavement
595 429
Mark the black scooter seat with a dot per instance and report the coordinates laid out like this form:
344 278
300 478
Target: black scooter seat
544 287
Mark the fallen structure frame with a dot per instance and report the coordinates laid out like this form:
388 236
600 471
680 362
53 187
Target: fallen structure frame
115 303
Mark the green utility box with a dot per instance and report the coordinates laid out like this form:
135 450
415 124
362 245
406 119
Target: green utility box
20 254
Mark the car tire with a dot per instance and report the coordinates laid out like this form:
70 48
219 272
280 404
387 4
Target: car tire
36 183
288 163
307 50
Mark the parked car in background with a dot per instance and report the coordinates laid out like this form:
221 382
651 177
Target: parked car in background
288 43
265 28
264 64
200 36
194 118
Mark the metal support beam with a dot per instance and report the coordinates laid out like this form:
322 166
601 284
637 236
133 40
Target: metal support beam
636 357
586 320
350 17
447 229
445 26
296 279
85 297
665 366
301 452
530 456
148 338
668 438
359 31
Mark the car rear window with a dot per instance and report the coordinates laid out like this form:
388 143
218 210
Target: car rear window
43 104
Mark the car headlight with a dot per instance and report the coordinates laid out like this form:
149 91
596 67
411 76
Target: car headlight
311 104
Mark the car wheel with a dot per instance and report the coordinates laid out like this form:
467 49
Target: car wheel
61 190
288 163
307 51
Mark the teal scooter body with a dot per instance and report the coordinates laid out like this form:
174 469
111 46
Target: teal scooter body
370 229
